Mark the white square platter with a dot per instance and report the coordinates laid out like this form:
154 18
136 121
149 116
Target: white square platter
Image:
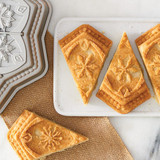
67 100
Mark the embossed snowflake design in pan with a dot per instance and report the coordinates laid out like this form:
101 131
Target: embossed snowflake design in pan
6 16
13 19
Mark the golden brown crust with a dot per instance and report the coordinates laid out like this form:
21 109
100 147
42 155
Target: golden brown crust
123 87
123 109
85 28
32 137
150 51
147 35
85 50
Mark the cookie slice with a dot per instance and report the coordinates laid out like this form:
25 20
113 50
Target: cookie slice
85 50
149 48
34 137
123 87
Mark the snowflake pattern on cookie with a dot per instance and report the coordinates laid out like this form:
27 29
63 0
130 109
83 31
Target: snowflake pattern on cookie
50 137
85 66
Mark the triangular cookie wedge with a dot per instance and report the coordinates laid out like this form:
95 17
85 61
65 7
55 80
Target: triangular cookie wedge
149 47
85 50
123 87
34 137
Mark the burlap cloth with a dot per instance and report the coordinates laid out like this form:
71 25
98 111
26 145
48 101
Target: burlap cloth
104 142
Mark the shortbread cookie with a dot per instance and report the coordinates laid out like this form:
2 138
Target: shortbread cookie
149 47
33 137
123 87
85 50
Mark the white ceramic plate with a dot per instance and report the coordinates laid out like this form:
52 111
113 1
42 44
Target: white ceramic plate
67 100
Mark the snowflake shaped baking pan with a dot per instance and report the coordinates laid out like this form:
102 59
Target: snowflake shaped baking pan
23 58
